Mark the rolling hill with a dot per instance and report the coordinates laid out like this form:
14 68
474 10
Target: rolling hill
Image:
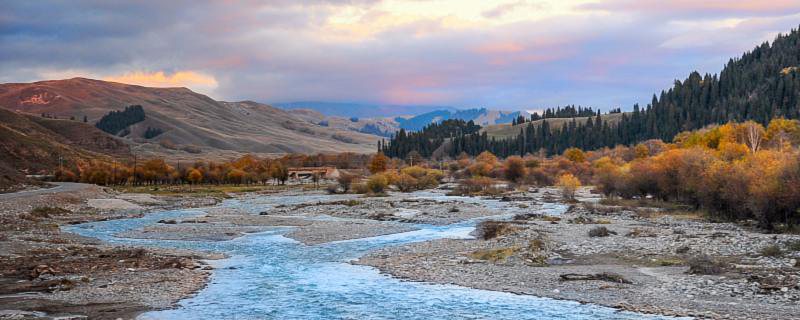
506 130
482 117
187 119
34 145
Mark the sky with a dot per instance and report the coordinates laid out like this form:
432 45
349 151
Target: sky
512 55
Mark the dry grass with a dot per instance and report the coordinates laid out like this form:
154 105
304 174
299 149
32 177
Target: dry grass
492 229
771 251
600 232
494 255
705 265
199 190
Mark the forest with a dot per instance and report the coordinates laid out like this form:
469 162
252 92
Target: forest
761 85
116 121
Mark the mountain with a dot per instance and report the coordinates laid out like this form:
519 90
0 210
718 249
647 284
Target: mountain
359 110
35 145
383 127
480 116
182 119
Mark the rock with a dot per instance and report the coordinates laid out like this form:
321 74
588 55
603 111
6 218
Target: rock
683 249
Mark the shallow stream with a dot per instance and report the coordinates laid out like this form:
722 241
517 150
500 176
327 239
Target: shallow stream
269 276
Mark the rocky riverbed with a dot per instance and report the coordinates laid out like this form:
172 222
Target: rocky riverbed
46 273
643 260
530 243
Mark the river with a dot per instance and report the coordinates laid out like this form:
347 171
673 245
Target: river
269 276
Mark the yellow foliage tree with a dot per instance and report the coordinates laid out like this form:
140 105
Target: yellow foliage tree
569 184
575 155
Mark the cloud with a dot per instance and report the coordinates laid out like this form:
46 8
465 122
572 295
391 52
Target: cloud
700 8
514 54
194 80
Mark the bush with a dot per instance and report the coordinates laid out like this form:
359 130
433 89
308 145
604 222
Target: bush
358 187
377 183
705 265
415 171
771 251
568 184
793 246
494 255
492 229
345 181
406 183
332 189
515 169
599 232
46 212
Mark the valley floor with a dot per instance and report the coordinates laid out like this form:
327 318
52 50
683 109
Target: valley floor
642 264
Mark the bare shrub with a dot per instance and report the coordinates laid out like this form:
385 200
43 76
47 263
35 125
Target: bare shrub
705 265
492 229
771 251
599 232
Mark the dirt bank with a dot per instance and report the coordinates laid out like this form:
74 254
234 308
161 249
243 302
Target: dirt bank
46 273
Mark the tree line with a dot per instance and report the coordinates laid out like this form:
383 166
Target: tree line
760 85
427 140
156 171
116 121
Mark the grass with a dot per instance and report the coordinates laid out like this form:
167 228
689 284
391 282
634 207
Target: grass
771 251
793 246
494 255
668 262
43 213
199 190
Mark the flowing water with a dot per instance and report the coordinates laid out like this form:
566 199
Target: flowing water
269 276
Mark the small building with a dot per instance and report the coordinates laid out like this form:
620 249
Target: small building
307 173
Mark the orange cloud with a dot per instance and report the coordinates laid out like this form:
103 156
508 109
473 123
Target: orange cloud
190 79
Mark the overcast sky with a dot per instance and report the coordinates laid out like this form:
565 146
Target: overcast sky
497 54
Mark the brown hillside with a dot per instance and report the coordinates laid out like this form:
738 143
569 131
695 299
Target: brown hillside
30 145
187 118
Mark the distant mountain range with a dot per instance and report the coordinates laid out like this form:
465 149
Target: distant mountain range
385 120
359 110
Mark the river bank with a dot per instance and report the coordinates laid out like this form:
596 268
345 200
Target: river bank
47 273
641 263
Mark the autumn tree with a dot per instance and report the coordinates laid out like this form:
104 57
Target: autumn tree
279 172
514 168
378 163
575 155
194 176
569 184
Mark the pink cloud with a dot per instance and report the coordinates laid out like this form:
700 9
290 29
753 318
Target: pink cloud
759 7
